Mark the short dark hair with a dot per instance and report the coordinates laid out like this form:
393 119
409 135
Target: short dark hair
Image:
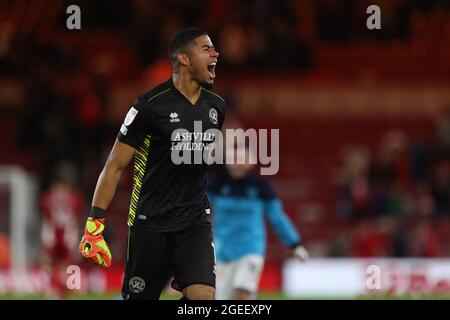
180 40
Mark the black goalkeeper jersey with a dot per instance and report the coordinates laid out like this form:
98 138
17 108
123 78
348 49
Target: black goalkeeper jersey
167 195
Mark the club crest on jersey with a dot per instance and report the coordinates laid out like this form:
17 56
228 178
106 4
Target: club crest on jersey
213 116
130 116
174 117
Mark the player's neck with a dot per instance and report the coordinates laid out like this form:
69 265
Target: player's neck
187 86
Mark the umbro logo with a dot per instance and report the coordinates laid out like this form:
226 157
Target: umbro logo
174 117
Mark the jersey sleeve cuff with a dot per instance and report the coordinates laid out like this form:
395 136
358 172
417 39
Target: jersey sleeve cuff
295 245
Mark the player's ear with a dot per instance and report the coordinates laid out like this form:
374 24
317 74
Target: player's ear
183 59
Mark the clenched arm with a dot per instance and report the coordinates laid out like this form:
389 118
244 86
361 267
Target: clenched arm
119 158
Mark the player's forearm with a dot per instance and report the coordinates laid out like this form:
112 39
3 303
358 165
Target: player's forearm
282 225
106 186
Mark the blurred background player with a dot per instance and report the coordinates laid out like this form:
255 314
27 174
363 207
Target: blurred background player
61 206
240 200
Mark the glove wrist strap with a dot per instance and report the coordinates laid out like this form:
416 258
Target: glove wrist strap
97 213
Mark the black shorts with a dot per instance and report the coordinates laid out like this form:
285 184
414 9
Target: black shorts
154 257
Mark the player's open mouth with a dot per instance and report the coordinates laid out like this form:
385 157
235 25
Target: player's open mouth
211 69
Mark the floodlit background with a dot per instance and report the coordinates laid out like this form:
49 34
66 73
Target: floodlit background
364 119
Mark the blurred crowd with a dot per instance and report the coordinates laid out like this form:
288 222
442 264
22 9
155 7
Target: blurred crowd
58 88
398 196
65 89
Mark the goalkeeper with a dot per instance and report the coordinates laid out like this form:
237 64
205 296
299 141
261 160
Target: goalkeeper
240 200
169 225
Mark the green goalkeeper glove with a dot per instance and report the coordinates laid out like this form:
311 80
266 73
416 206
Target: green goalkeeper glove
93 247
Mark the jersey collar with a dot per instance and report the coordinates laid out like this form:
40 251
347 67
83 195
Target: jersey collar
177 92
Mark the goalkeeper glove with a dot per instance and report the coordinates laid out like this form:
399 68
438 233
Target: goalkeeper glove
300 253
93 247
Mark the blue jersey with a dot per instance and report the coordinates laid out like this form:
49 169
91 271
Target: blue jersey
239 208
